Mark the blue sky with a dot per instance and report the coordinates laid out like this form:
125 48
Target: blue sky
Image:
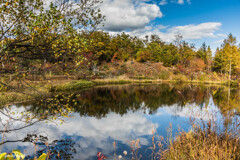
198 21
227 12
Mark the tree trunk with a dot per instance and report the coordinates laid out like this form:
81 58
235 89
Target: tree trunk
230 69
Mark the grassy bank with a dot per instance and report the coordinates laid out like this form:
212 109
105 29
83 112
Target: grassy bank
80 84
155 81
44 87
73 85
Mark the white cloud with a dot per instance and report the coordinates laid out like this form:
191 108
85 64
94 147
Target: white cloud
163 2
199 31
160 27
189 32
218 41
128 14
222 35
180 2
193 111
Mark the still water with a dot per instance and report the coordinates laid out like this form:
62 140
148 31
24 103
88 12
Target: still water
79 124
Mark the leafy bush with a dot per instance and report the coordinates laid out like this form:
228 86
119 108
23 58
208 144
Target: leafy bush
164 75
203 77
180 78
234 83
197 65
143 56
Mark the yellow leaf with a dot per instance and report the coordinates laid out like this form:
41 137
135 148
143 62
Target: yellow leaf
18 154
43 157
2 156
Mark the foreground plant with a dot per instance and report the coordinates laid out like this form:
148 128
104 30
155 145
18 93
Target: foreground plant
101 156
207 140
19 156
206 143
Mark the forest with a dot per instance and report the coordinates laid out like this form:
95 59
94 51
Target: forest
62 39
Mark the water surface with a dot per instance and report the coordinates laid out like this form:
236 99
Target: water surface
79 124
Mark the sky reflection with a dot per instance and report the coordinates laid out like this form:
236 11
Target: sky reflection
81 136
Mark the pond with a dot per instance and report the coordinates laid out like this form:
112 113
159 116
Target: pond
79 124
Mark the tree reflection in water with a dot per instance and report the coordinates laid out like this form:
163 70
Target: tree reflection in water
100 101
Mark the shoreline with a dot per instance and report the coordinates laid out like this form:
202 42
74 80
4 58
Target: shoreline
11 97
80 84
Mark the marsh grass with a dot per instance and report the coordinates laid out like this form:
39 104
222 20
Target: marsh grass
135 145
204 143
207 140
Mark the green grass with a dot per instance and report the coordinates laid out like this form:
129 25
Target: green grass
111 81
74 85
125 81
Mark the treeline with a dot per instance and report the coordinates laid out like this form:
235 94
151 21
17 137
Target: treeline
63 37
122 47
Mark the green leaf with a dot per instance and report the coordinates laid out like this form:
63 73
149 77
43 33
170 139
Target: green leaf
2 156
18 154
43 157
10 157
